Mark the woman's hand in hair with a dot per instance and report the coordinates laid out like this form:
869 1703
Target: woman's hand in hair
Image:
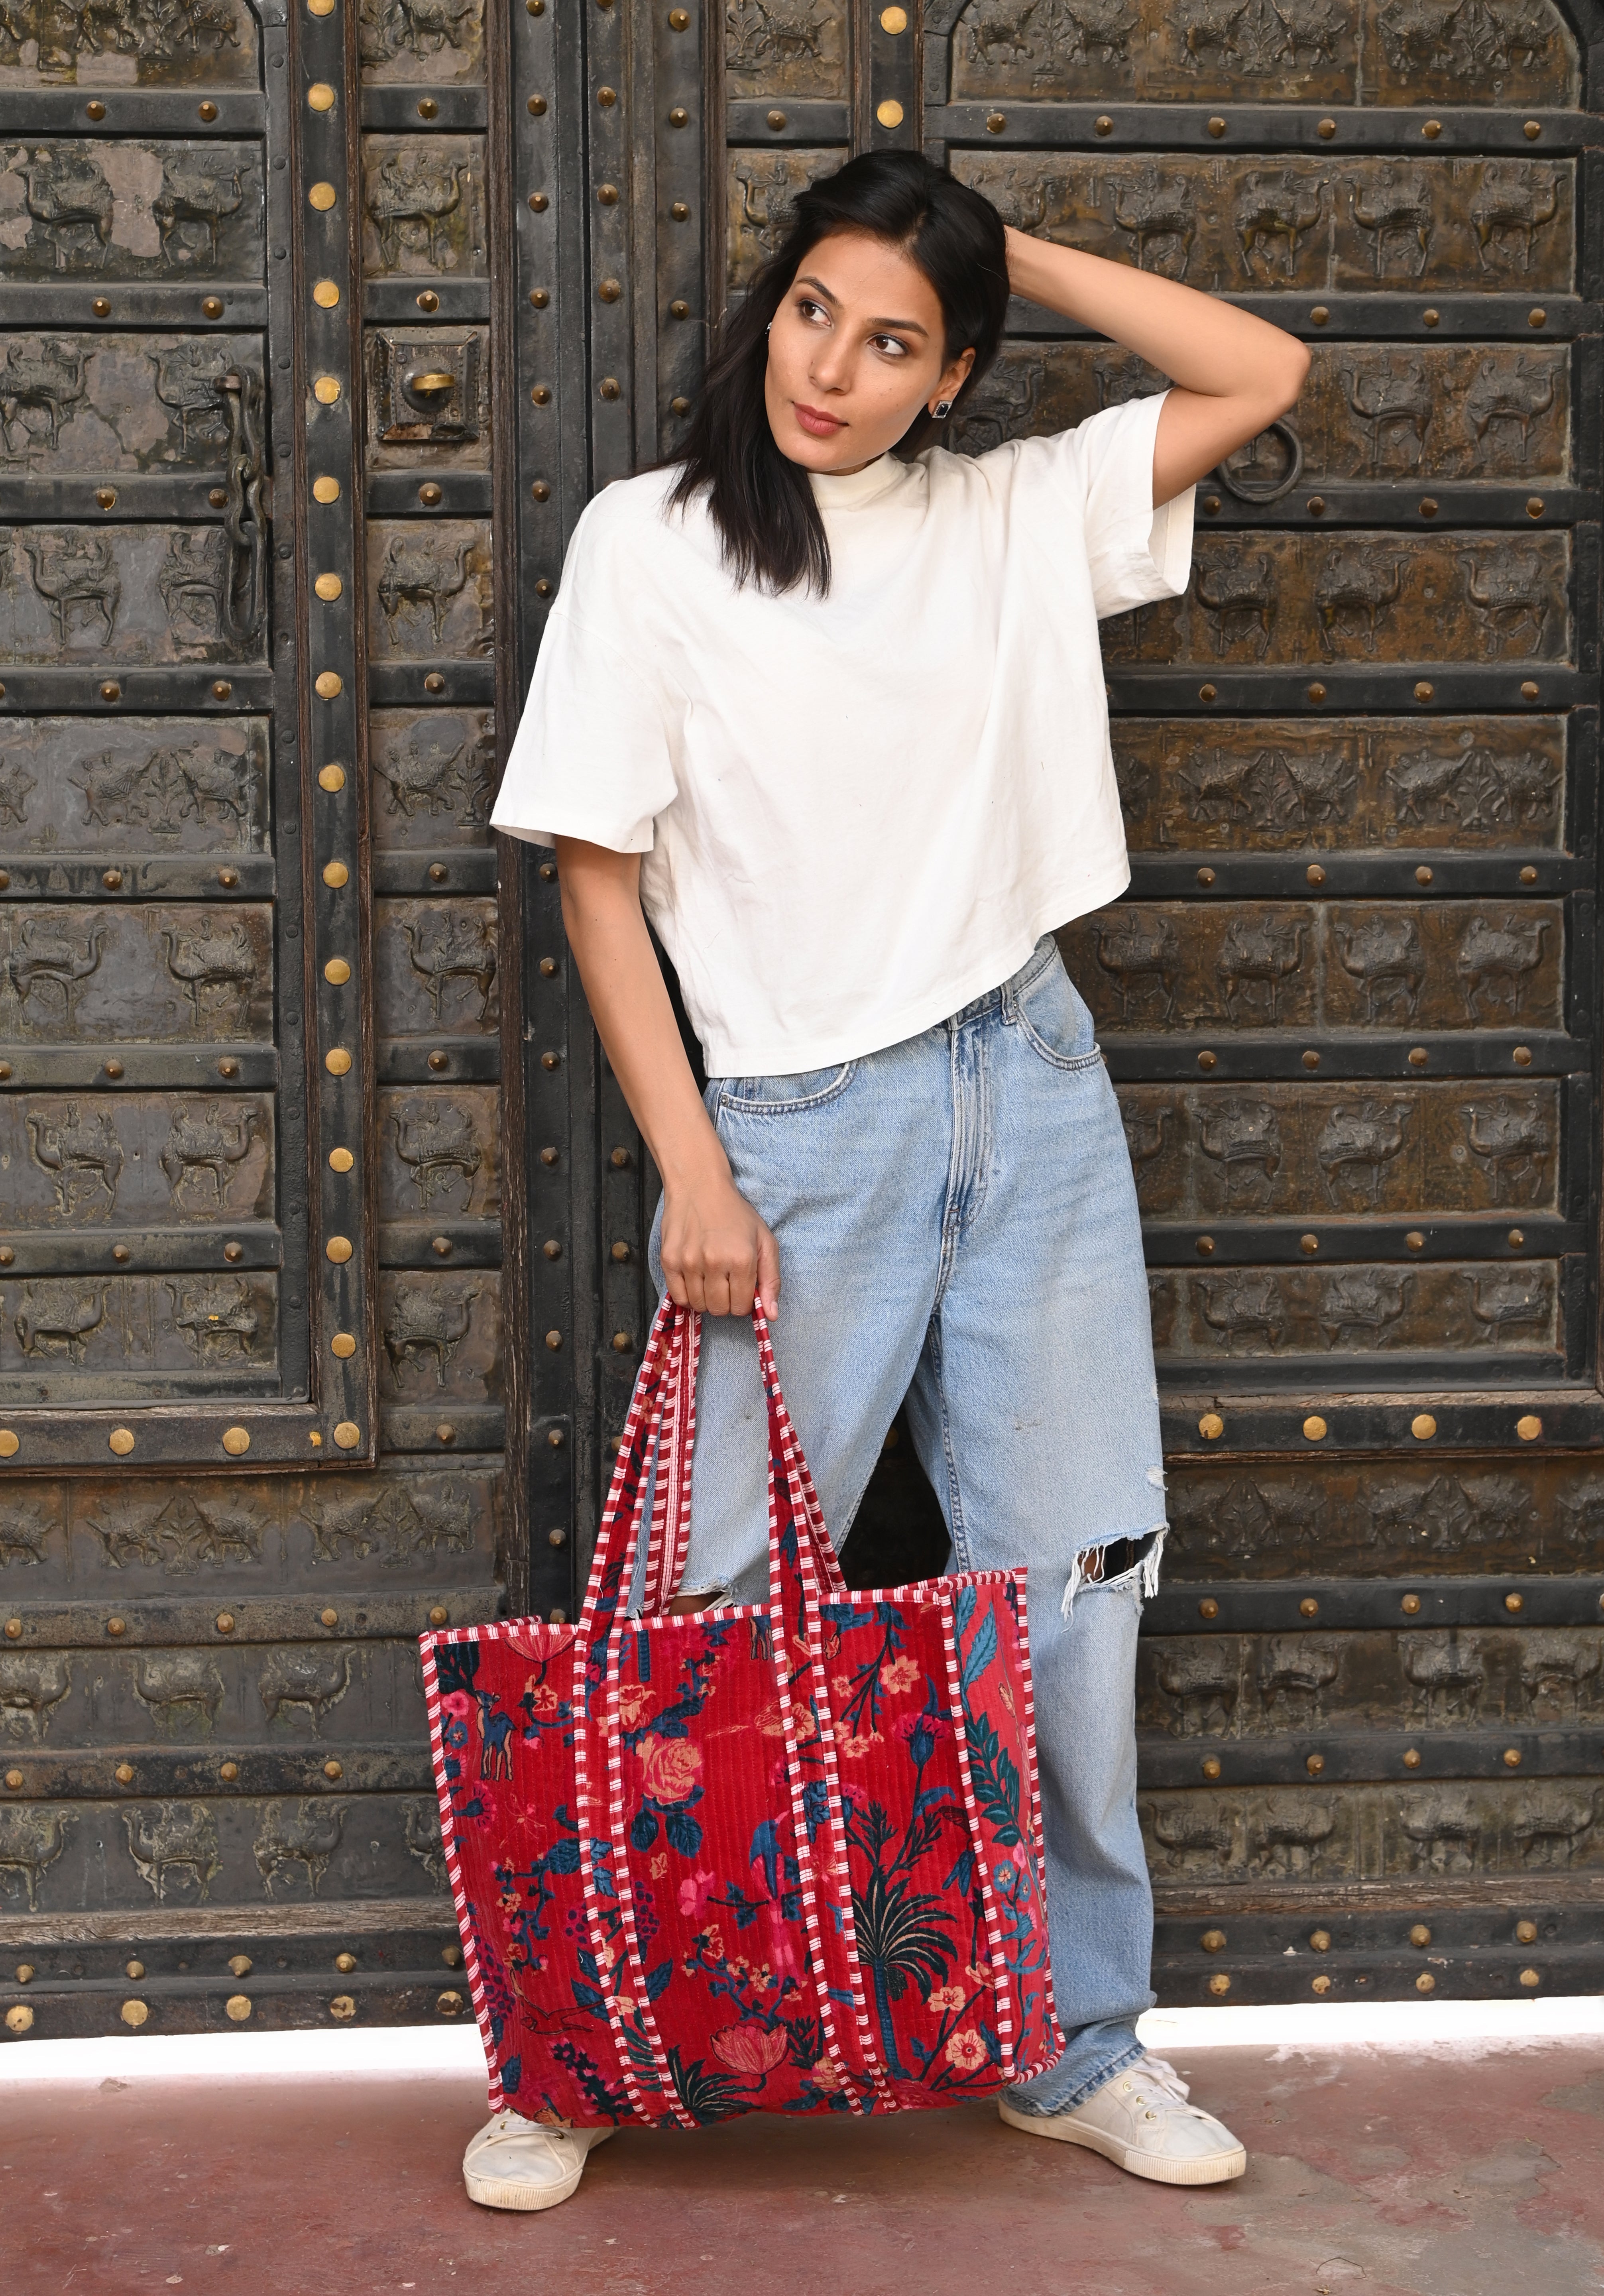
1232 374
718 1255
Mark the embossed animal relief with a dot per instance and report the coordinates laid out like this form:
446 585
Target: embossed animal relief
174 1847
31 1682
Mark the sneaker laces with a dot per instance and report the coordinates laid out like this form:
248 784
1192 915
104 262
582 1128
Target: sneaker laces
1158 2077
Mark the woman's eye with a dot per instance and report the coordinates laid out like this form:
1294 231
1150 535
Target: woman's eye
893 343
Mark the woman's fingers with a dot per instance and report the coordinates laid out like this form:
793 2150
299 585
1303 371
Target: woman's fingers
768 1271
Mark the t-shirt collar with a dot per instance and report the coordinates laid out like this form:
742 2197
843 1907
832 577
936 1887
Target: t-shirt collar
850 491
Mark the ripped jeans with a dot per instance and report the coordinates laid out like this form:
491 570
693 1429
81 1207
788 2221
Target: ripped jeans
957 1224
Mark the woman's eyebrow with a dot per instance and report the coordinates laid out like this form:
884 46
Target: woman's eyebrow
905 326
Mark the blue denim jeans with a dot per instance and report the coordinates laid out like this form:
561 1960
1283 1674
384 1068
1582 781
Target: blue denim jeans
957 1224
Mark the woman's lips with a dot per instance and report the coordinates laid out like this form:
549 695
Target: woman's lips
815 423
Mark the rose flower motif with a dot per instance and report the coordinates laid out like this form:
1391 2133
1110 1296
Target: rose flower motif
670 1768
749 2050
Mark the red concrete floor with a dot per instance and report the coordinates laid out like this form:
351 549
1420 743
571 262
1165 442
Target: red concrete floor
1464 2173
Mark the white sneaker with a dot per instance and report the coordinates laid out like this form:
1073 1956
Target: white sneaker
514 2163
1141 2121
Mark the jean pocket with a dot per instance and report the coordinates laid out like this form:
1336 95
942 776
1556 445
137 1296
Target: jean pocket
1055 1021
784 1095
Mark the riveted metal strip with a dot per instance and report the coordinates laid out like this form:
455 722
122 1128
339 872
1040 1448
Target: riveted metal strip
1404 1604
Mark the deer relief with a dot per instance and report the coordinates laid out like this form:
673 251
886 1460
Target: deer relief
205 1144
447 945
1280 207
83 1158
422 27
421 574
428 1323
1448 1674
1556 1672
216 1318
420 780
1497 959
1382 953
1508 590
1353 587
1504 393
311 1680
69 207
30 1840
1318 785
1510 1140
1393 207
31 1683
1503 1302
436 1141
189 376
1314 25
191 582
182 1688
1238 592
1199 1679
1138 951
24 1535
197 193
74 573
1208 31
307 1836
410 197
1356 1142
765 33
1100 27
1391 397
1242 1304
57 1318
1243 1138
1359 1306
1511 203
41 375
1443 1829
1157 210
214 963
1259 951
176 1839
1293 1670
1288 1835
1550 1823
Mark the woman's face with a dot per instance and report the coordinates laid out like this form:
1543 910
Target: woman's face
856 348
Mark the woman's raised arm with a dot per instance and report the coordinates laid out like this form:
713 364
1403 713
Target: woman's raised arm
1233 373
717 1252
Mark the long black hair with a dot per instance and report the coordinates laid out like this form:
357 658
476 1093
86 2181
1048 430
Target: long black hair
760 501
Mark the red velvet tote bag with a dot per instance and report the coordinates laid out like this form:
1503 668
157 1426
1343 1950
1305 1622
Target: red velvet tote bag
775 1857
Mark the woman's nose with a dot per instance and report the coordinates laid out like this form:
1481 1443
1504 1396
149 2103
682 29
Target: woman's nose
830 367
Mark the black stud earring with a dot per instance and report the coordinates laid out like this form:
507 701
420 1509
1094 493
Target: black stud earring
942 409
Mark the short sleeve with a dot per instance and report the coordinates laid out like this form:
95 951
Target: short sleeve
593 753
1136 552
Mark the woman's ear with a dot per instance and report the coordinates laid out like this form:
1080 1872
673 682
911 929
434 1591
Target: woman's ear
953 378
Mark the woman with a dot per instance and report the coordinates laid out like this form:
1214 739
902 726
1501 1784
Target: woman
826 704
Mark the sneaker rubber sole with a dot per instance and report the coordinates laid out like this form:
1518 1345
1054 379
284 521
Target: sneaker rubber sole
1198 2169
496 2193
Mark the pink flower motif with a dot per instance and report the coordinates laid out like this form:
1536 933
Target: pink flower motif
1021 1857
900 1675
749 2050
854 1748
693 1894
670 1768
825 2076
966 2050
934 1725
635 1702
457 1702
947 1999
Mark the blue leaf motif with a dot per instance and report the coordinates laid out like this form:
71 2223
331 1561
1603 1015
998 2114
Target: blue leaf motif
684 1834
963 1608
587 1997
657 1979
981 1650
643 1832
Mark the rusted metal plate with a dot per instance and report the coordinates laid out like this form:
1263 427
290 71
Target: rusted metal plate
95 1162
433 778
122 594
1272 785
127 210
1368 410
1350 964
430 590
104 403
1311 1833
1275 1521
442 1337
1380 51
71 785
1261 1686
1342 1315
1206 1150
295 1541
435 967
439 1153
785 47
1357 598
1236 222
75 1339
408 41
153 974
428 398
424 206
138 45
760 188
